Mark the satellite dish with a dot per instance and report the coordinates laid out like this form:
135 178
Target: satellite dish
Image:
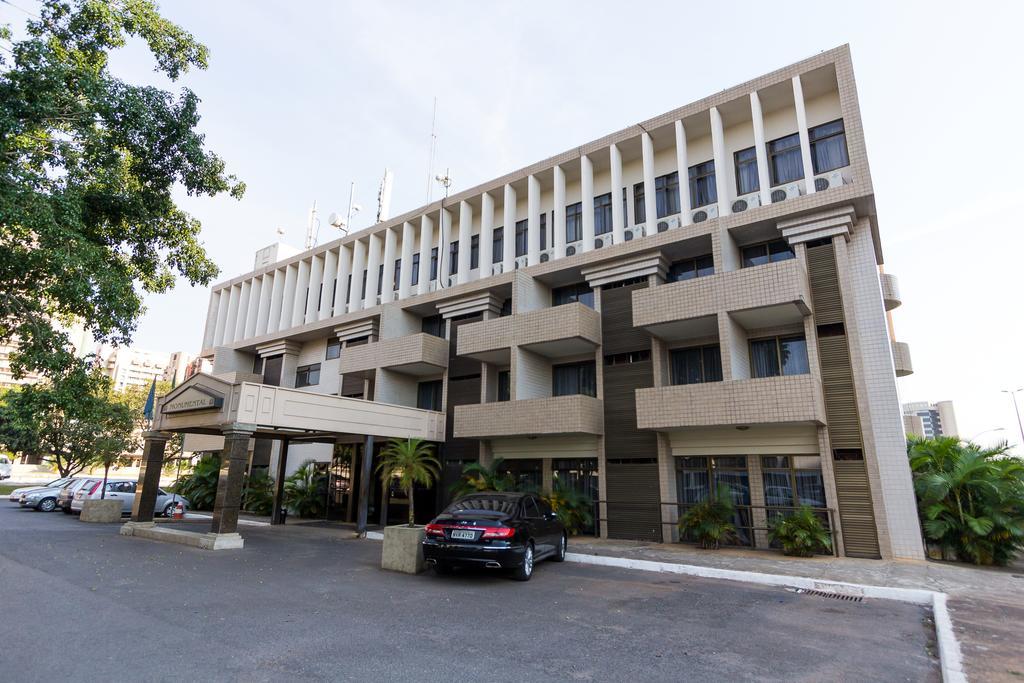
336 219
280 231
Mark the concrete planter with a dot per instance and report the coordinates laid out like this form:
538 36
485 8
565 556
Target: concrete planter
101 511
402 550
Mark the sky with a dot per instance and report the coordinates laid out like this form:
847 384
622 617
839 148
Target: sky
303 98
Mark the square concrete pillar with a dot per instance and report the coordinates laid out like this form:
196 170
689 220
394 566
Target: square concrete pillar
149 476
233 461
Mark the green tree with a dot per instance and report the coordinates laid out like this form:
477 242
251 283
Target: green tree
479 477
88 163
412 462
200 485
305 490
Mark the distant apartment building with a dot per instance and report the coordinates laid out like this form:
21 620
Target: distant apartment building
692 302
128 367
82 344
930 420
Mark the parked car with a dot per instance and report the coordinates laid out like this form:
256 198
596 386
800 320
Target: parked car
42 499
15 495
5 467
68 492
124 490
496 531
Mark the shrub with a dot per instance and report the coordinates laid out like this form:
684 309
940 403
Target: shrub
710 521
258 497
801 533
200 485
477 477
305 491
575 510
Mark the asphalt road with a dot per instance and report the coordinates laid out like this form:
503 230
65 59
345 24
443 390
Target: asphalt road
80 602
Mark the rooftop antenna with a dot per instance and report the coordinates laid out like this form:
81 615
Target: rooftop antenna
433 151
344 223
312 228
384 196
446 182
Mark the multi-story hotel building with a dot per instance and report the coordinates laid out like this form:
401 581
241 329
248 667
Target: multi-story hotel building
693 301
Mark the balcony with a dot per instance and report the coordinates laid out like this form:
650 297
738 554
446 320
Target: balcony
901 359
890 291
415 354
771 294
555 332
765 400
577 414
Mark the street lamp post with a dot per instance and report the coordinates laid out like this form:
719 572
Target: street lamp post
1016 410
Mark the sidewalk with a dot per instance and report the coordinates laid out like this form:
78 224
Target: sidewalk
986 603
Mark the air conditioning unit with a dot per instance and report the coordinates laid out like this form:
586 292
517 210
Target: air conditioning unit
496 269
453 280
790 191
704 213
432 286
574 248
522 261
602 241
747 201
829 180
636 232
546 255
669 223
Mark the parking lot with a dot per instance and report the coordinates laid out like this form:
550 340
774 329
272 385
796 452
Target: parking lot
80 601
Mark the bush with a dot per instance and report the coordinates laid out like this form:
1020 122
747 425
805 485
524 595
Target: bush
258 497
305 491
710 521
200 485
575 510
801 534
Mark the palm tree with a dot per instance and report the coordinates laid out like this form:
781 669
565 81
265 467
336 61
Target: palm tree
412 462
479 477
304 492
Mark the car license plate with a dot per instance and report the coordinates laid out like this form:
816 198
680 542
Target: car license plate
463 534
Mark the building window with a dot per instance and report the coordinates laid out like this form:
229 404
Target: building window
363 295
828 146
580 292
474 252
498 246
307 376
627 358
639 208
453 258
696 365
785 163
543 231
398 273
433 325
333 349
767 252
666 194
348 289
334 293
522 234
415 274
428 395
691 268
573 379
504 385
574 222
506 308
779 356
625 206
698 476
603 214
433 264
746 171
703 190
792 481
380 279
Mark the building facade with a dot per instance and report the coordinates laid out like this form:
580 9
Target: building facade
930 420
692 302
128 367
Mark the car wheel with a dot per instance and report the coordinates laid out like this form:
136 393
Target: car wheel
525 570
169 510
46 505
559 555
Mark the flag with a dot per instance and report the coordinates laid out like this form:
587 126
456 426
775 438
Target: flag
147 411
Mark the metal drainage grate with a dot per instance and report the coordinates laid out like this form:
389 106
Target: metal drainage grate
824 594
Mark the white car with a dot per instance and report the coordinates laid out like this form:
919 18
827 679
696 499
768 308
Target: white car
5 467
124 490
16 493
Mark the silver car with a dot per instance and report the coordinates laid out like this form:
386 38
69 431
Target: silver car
68 492
124 490
15 495
43 499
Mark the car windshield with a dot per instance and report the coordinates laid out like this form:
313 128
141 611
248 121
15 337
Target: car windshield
501 504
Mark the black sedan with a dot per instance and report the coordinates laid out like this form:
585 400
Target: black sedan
496 531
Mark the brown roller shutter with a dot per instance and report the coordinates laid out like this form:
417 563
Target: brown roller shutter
622 438
351 385
824 281
459 366
461 392
840 397
633 509
618 333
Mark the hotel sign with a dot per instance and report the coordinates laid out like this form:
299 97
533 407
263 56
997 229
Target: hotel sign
193 399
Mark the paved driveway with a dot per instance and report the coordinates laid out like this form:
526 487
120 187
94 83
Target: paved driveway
78 600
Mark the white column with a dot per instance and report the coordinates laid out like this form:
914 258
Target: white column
210 329
587 200
721 176
229 324
805 141
618 220
276 302
223 297
341 282
355 299
763 179
266 298
650 197
255 300
559 199
426 243
444 238
330 272
465 240
486 234
372 268
316 280
532 220
408 248
243 310
291 274
683 162
301 294
509 254
387 290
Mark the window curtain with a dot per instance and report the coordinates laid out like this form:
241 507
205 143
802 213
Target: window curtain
810 489
830 154
787 163
764 358
794 357
692 486
778 491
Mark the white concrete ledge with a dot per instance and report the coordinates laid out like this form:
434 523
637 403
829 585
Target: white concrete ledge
205 541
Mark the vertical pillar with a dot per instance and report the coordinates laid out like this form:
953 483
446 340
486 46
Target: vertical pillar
760 148
149 476
372 268
210 329
444 239
683 163
234 294
509 245
277 511
252 317
650 196
330 272
302 293
532 220
721 176
288 297
387 289
364 483
341 281
465 240
587 200
243 310
223 296
559 199
233 460
805 141
426 244
408 248
316 280
266 298
486 234
355 297
276 301
618 220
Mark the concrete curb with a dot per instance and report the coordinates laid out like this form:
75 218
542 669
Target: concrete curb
247 522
